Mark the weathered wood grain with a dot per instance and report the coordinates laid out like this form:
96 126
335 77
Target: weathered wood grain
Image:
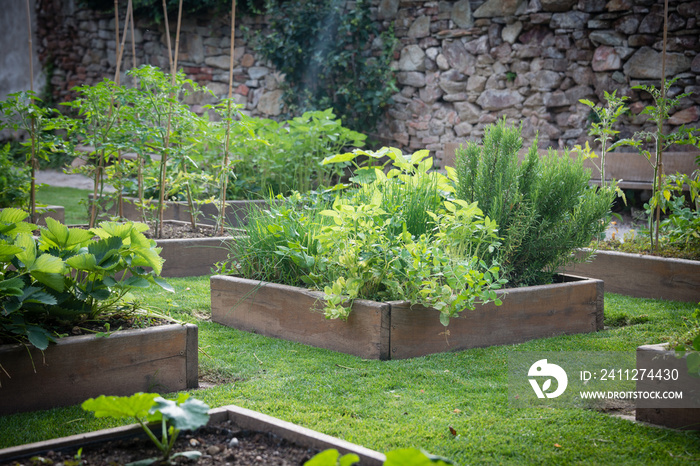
295 314
526 313
243 418
677 414
643 276
192 257
77 368
394 330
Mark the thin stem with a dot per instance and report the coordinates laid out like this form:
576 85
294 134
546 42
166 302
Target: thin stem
32 160
224 166
660 127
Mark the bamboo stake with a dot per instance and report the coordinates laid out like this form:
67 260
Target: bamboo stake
32 159
224 184
164 158
660 127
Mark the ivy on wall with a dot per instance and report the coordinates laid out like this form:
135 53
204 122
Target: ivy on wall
324 48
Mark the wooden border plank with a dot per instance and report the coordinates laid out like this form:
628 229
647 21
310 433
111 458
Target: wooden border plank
77 368
643 276
526 313
295 314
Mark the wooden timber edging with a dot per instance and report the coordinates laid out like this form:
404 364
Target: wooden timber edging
395 330
236 211
677 413
243 418
193 257
643 276
632 170
163 358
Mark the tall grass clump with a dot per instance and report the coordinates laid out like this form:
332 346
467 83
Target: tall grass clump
544 207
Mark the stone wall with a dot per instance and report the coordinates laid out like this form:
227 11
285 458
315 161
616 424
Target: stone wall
461 65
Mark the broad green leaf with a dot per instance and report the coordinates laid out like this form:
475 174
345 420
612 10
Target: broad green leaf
136 282
8 251
11 287
191 455
58 235
338 158
148 257
163 284
413 457
38 337
418 156
189 415
12 215
137 405
28 254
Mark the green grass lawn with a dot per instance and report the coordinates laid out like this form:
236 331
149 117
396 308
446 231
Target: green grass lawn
385 405
73 200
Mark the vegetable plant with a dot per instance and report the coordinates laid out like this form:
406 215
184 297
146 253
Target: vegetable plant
184 413
69 275
544 207
15 181
400 457
388 236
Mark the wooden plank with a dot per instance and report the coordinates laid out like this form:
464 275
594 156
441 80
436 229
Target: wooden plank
194 256
678 414
643 276
295 314
81 367
252 420
527 313
243 418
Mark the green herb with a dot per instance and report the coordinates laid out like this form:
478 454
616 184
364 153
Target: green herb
544 207
400 457
183 414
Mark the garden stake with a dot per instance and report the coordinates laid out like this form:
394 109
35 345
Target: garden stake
660 128
224 166
164 157
32 160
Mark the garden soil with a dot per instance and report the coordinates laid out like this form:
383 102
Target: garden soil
220 444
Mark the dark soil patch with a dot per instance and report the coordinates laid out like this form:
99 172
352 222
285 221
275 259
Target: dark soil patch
220 444
182 230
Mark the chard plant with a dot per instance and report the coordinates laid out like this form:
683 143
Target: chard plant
174 416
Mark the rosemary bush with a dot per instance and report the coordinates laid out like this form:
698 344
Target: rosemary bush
544 207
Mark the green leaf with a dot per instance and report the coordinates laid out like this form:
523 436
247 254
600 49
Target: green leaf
163 284
137 406
11 287
413 457
190 455
38 337
189 415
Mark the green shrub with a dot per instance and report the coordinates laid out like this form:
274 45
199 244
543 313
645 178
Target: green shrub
391 237
14 181
544 207
66 276
324 49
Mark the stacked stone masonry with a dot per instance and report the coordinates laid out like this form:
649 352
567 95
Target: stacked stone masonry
460 65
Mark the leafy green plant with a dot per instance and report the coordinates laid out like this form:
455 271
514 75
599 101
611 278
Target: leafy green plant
658 114
392 236
66 276
22 111
603 130
544 207
15 181
400 457
184 413
324 48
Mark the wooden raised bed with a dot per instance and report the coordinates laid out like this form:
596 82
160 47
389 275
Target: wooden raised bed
677 414
643 276
192 257
393 330
236 211
163 358
243 418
